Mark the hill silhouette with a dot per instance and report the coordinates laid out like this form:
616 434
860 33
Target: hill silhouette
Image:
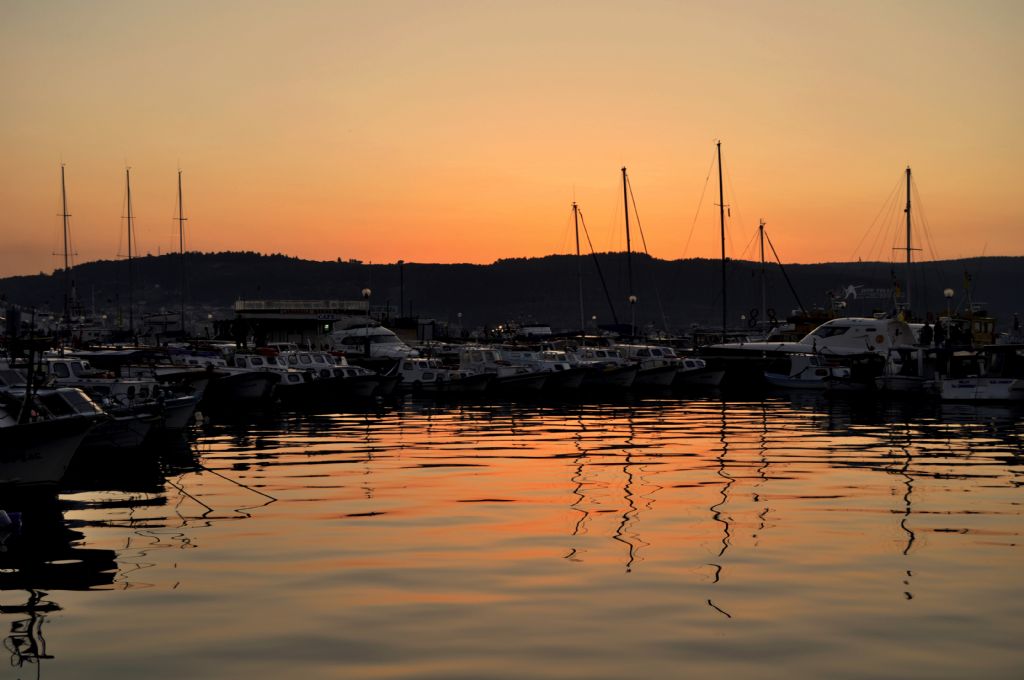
676 293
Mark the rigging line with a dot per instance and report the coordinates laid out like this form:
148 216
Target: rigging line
567 241
182 491
236 482
650 263
733 203
700 202
600 274
789 283
881 236
925 227
120 225
747 247
871 226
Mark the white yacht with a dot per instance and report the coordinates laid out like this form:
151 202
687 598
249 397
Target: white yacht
370 341
860 341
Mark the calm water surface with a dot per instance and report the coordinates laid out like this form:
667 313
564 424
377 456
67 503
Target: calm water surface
650 539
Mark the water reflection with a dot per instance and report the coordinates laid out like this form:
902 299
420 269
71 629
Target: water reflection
40 553
661 526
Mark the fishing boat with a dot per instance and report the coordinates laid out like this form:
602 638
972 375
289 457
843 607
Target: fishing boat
658 365
908 371
423 374
996 373
41 429
693 372
230 387
607 368
807 372
332 376
293 386
561 374
508 376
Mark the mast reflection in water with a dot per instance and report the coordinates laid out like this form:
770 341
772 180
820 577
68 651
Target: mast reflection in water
598 540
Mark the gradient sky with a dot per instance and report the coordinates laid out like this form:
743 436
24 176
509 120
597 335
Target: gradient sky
462 131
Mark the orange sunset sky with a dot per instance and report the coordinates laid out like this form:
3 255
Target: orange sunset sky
438 131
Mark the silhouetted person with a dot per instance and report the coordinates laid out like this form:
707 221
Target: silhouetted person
940 334
925 336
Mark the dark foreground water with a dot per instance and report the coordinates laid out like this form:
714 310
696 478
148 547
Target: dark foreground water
653 539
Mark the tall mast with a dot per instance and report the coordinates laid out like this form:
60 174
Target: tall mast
131 283
629 256
908 242
629 260
579 262
721 214
764 285
67 230
181 250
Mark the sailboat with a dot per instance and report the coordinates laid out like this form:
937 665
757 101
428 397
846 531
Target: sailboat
164 325
656 366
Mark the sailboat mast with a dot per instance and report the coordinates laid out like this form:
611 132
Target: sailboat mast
181 250
909 249
579 262
721 214
67 268
764 284
629 256
131 282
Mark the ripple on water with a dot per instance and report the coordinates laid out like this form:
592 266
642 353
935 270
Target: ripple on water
790 537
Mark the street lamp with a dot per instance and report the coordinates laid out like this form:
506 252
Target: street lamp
366 296
632 315
948 294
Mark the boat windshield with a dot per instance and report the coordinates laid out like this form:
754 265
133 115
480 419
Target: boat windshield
829 331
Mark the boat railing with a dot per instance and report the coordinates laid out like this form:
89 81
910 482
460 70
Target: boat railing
302 305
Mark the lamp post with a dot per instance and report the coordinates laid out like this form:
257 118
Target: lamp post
948 294
632 315
366 296
366 333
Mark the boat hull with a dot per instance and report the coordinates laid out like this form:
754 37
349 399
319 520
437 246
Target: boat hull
982 389
786 382
525 382
569 379
699 377
610 377
121 431
904 384
178 412
245 388
37 454
658 376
